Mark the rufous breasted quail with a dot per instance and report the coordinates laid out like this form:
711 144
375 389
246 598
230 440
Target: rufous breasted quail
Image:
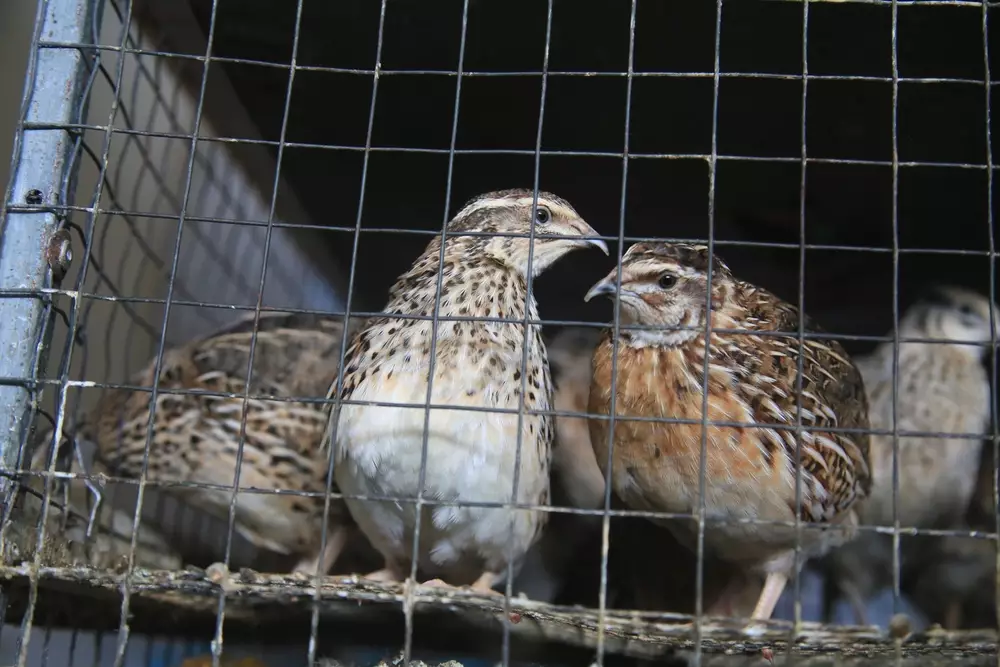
752 379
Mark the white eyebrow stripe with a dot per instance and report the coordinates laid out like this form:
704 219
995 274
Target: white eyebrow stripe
507 202
485 204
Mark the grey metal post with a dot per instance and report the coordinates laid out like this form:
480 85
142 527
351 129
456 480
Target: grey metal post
53 92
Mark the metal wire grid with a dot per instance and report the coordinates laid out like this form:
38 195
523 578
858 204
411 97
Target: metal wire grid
114 330
187 218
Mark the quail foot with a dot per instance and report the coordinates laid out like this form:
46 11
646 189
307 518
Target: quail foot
750 470
196 437
470 453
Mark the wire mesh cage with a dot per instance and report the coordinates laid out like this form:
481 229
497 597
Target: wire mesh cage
210 199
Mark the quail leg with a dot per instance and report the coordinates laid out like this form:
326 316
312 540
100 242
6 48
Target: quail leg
485 583
390 573
774 585
335 542
733 599
856 601
437 583
953 616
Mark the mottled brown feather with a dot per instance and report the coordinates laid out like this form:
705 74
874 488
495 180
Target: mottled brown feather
469 456
752 379
195 438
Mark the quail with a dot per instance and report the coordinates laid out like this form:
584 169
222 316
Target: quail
564 565
196 437
942 387
470 454
752 379
571 353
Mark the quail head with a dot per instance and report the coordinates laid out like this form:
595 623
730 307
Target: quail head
750 472
942 387
196 437
471 453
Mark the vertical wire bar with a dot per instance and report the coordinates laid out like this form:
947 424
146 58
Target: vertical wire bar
60 9
602 592
703 460
526 328
16 401
988 90
797 561
896 540
268 234
339 382
408 644
53 84
158 365
70 180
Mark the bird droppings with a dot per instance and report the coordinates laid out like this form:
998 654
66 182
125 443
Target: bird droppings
899 627
218 573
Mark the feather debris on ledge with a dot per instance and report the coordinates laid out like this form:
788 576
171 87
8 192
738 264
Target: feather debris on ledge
66 541
256 600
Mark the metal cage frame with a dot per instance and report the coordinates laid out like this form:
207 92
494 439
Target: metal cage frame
37 249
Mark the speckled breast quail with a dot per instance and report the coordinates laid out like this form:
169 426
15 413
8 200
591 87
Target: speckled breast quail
477 364
750 473
942 388
196 437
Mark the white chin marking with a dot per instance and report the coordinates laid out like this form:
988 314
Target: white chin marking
657 337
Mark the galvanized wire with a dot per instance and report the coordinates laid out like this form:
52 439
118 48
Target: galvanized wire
84 296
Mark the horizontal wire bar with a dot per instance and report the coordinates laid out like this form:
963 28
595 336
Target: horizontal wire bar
978 4
432 232
694 74
506 151
552 509
359 314
315 400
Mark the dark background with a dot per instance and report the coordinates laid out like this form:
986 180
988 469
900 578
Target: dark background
847 291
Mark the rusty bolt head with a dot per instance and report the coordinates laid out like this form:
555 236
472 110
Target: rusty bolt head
60 253
34 197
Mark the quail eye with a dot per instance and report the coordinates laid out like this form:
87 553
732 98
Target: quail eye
542 215
667 280
965 309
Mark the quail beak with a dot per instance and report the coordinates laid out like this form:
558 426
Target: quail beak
586 230
605 287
